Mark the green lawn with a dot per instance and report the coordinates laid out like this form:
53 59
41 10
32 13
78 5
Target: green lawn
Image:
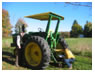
81 47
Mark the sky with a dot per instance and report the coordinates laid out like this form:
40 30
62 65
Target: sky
69 12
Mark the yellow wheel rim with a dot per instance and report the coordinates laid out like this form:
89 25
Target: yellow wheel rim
33 54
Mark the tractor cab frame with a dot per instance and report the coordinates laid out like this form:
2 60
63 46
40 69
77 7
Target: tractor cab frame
52 38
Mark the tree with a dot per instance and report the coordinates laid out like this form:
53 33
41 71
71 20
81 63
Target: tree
76 29
6 25
88 29
19 24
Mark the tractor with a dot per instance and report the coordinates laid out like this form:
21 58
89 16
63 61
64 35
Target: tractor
42 47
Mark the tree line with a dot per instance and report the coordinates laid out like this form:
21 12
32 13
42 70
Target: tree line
76 29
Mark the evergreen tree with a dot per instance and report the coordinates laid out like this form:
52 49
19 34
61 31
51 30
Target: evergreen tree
76 29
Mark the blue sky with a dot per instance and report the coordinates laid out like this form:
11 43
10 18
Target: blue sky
20 9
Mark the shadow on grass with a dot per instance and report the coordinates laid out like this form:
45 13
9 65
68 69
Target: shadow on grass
58 65
6 58
10 58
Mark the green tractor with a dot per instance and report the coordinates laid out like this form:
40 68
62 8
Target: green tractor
40 48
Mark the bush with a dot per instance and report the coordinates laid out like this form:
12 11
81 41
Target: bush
65 34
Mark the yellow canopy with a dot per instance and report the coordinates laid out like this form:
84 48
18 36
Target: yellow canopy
44 16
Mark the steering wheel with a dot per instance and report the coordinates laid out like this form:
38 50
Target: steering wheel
40 29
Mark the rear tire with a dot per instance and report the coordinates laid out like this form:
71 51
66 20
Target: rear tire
63 43
37 53
61 46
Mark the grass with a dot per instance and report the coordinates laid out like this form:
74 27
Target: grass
81 63
81 47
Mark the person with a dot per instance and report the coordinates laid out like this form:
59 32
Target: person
68 57
19 46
